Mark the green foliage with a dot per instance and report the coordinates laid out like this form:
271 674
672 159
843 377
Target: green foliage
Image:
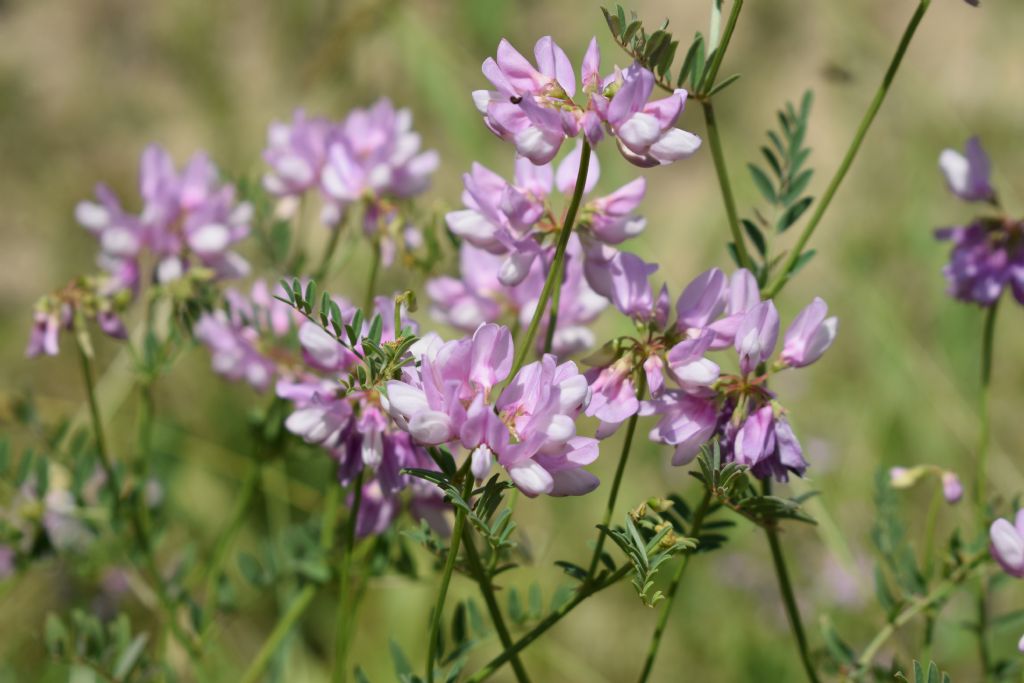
110 650
648 546
656 50
922 674
781 181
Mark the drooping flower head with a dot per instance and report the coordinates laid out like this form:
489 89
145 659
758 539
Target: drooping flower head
537 107
529 427
189 218
988 253
95 298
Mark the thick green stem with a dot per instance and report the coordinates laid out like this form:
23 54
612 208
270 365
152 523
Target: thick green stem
554 278
613 495
723 182
666 608
483 579
869 116
97 425
584 592
346 606
446 576
789 599
937 595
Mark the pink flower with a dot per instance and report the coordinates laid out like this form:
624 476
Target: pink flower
534 107
529 428
756 335
967 175
296 154
1006 544
687 422
809 335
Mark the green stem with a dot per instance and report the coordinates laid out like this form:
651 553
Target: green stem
584 592
723 182
97 424
869 116
919 605
987 345
554 278
346 606
483 579
666 608
325 260
716 61
296 609
302 600
616 483
929 532
984 658
446 576
556 298
790 601
220 551
372 284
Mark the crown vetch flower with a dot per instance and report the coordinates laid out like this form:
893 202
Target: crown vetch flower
809 335
296 153
529 428
987 256
478 296
189 218
1006 544
534 107
95 298
967 174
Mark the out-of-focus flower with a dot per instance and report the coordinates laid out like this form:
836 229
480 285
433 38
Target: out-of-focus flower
529 428
189 218
296 153
84 298
536 108
967 174
952 489
478 296
1006 544
242 338
987 256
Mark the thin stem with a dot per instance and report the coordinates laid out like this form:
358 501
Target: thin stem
936 595
716 61
325 260
666 608
446 576
790 601
616 483
302 600
788 597
220 551
984 658
556 298
987 345
346 606
869 116
929 532
281 630
554 278
723 182
372 284
97 424
584 592
483 579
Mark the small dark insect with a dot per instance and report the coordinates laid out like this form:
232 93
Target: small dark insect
515 99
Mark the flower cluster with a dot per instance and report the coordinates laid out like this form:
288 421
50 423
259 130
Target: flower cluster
478 296
713 313
988 253
352 425
372 158
534 107
189 218
243 338
517 220
91 298
529 427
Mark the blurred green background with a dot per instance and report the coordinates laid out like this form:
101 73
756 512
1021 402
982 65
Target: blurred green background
84 85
